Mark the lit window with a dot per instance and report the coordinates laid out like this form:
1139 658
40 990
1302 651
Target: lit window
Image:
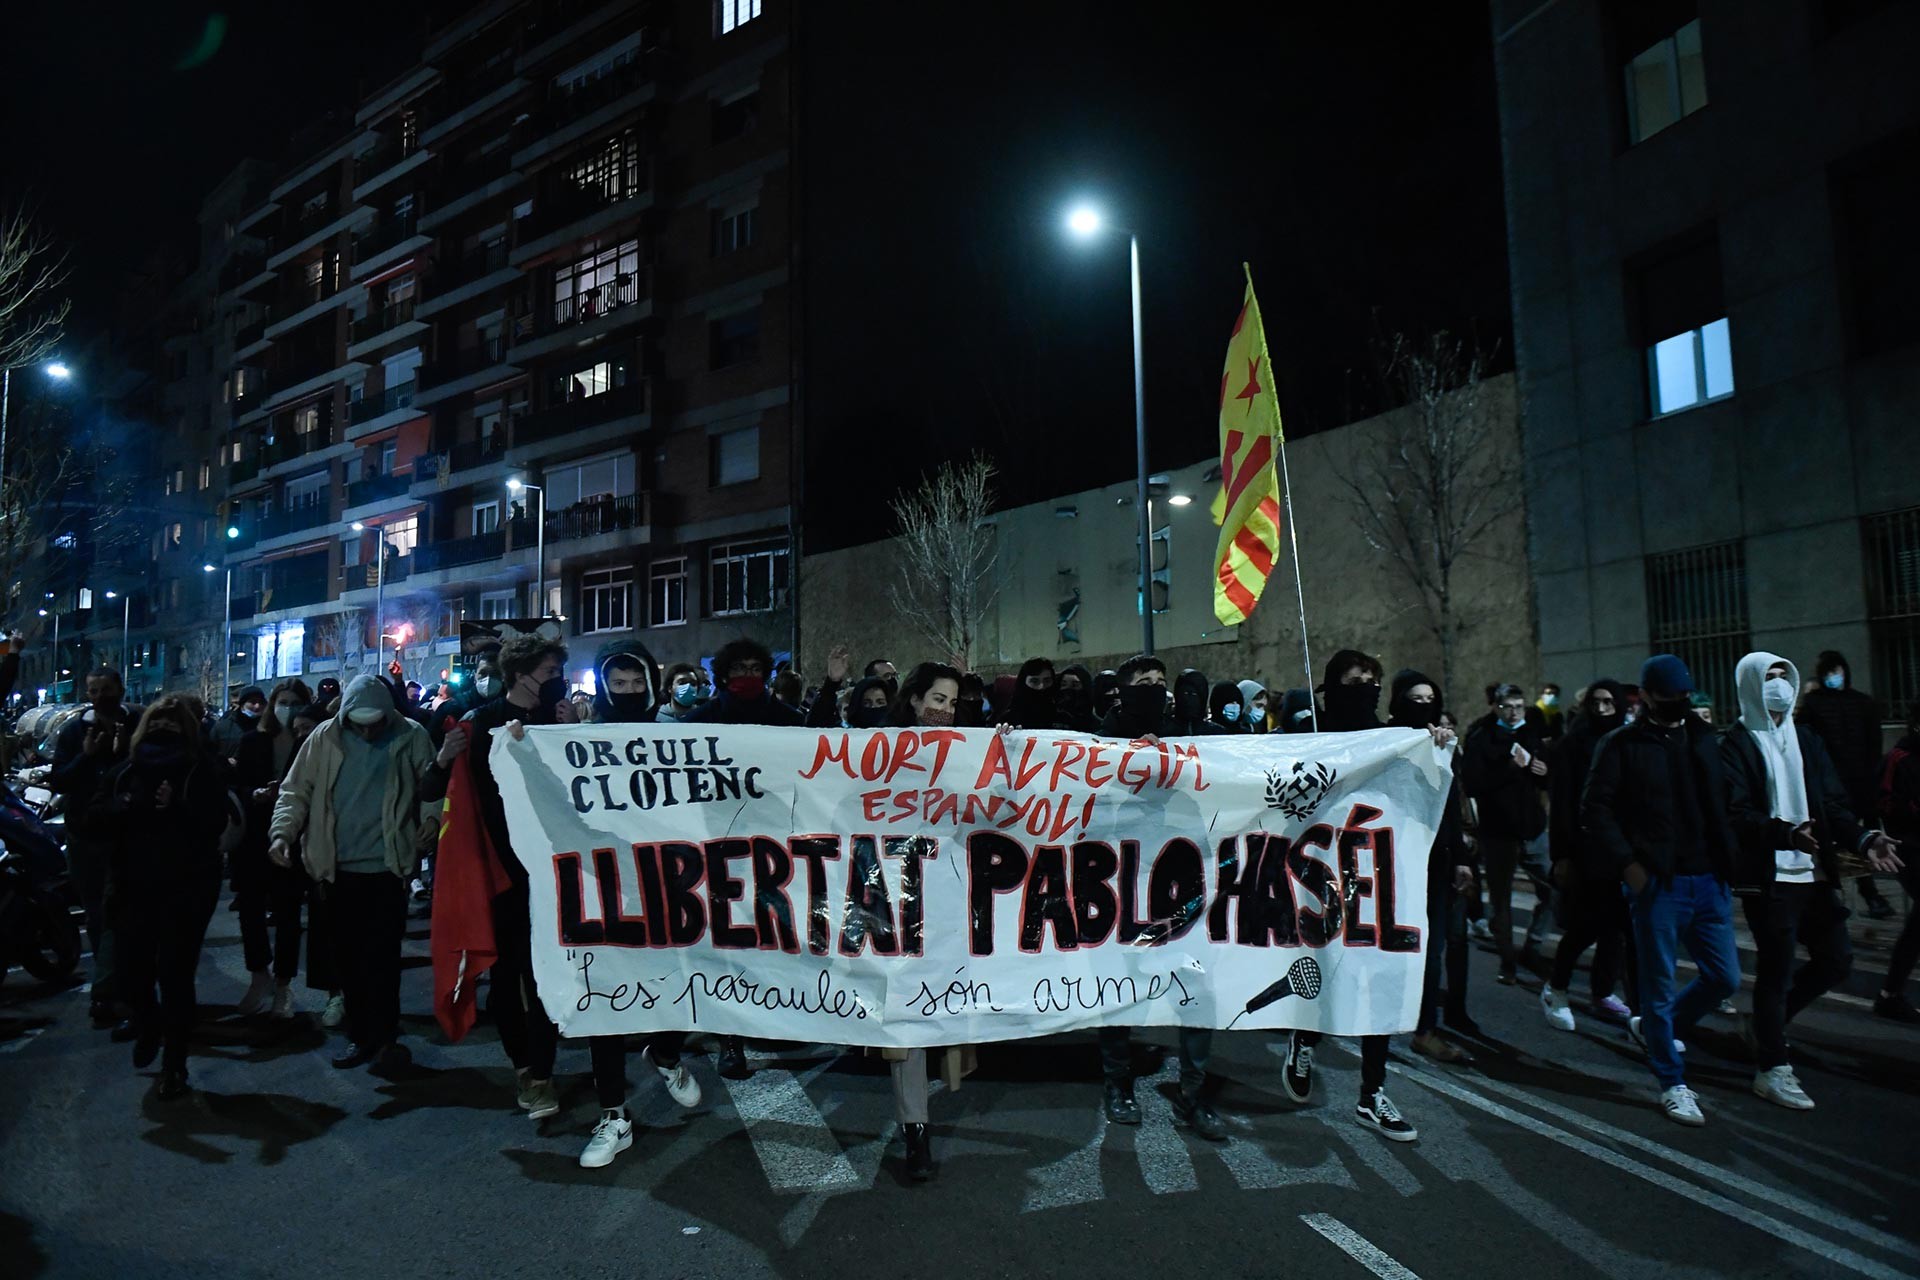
486 517
591 381
730 15
603 599
667 593
403 535
1683 328
747 577
1691 368
612 170
733 457
1665 83
596 284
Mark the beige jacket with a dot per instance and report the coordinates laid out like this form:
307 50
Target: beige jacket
305 806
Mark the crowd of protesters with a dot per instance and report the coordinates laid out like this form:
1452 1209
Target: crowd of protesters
1627 815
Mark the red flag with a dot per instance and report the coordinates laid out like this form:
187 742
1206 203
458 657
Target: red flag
467 877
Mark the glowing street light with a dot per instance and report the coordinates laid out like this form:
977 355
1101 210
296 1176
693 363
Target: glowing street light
1179 500
59 372
517 485
1085 221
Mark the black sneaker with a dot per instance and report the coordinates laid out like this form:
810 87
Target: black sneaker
919 1152
355 1055
146 1046
732 1062
1379 1114
173 1084
1199 1117
1296 1077
1897 1007
1121 1108
1507 976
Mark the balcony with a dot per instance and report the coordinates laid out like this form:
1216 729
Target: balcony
569 105
465 456
464 362
304 222
241 268
593 304
244 470
242 608
296 369
591 519
376 488
482 262
250 399
478 549
296 594
391 400
562 206
583 412
247 335
290 445
388 317
278 524
380 239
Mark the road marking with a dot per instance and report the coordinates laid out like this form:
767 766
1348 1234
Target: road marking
1816 1245
1358 1247
793 1141
1166 1166
20 1042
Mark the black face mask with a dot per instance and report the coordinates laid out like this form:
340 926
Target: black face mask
1603 725
1190 700
1668 711
1352 706
1142 704
552 692
1414 715
868 717
628 706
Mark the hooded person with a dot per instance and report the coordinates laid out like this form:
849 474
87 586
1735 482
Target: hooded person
1594 913
1190 716
1506 773
1073 699
239 721
1414 703
85 748
1033 705
869 704
1000 696
971 711
1847 721
1106 691
1297 714
743 669
1791 815
351 804
623 689
326 693
1227 707
1253 696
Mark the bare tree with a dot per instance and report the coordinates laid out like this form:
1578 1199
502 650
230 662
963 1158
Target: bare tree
1428 491
33 275
206 667
948 553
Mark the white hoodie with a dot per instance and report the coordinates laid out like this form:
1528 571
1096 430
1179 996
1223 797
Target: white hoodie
1780 747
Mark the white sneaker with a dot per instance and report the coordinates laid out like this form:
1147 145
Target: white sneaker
1780 1085
1559 1012
540 1100
611 1136
681 1086
259 997
283 1002
1682 1106
1379 1114
336 1011
1480 930
1727 1007
1633 1029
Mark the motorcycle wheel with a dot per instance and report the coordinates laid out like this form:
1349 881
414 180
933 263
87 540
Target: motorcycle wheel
51 951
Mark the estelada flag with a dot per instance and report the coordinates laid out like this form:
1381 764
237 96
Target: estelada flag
1248 508
467 877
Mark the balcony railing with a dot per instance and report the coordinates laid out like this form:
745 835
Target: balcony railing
622 291
385 236
464 456
368 575
400 397
378 322
477 549
562 205
251 399
458 364
289 445
483 261
569 104
388 152
374 488
304 222
242 608
298 297
468 173
290 520
244 470
293 595
581 413
590 519
247 335
241 268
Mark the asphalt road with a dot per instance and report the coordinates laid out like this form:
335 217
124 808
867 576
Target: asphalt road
1546 1157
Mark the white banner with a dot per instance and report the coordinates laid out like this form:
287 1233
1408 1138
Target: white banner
939 886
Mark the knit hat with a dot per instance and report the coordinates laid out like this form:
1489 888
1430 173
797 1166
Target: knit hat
1665 676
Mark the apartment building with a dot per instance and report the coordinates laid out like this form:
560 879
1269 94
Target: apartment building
511 340
1718 356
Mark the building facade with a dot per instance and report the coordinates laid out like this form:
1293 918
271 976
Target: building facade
1719 362
510 340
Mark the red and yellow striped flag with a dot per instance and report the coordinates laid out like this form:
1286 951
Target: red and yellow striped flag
1248 508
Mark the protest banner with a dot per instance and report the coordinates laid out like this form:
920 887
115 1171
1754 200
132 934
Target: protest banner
919 887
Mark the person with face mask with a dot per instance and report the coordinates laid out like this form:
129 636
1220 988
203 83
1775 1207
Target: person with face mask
868 706
1351 691
824 711
972 710
1033 706
1297 714
1106 692
682 693
1140 712
1790 813
268 897
170 799
1226 708
1506 771
1253 697
326 694
1595 913
1552 716
623 688
1656 808
1847 721
86 748
351 803
744 697
229 729
1073 699
1191 717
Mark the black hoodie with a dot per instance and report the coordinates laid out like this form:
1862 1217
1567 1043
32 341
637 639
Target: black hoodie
1189 716
1449 846
1227 694
1075 706
1347 708
1032 708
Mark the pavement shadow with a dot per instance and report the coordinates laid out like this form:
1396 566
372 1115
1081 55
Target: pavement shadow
275 1121
24 1256
418 1088
13 1028
259 1039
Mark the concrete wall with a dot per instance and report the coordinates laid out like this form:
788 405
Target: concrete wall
1813 437
1086 541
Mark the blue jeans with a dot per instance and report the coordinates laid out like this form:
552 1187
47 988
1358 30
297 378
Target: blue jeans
1697 910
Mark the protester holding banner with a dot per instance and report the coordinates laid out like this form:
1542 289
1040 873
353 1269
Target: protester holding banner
1227 708
1351 693
1415 704
1073 698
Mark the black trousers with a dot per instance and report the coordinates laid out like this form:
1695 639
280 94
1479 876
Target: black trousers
1196 1046
162 924
322 973
513 1001
1373 1060
90 865
1807 914
1595 915
609 1054
367 913
1906 948
1447 953
268 899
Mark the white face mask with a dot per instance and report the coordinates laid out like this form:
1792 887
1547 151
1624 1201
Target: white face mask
1777 695
488 686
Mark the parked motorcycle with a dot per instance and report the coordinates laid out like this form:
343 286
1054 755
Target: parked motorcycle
38 930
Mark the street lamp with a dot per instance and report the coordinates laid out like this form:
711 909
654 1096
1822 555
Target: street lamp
515 485
57 371
379 582
1085 222
126 631
226 632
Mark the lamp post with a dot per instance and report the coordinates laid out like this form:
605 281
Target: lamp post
226 629
1086 222
57 371
56 648
126 632
379 583
515 485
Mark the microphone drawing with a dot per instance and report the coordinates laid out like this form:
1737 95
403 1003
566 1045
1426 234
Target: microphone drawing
1301 979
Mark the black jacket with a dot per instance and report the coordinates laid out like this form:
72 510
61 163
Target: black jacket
1848 724
1508 796
162 842
1629 806
253 769
1566 838
724 708
1751 809
78 776
1899 791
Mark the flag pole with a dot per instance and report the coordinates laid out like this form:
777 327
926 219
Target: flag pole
1300 587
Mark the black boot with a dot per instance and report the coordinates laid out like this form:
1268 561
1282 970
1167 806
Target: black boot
1121 1108
732 1062
919 1152
146 1043
173 1084
355 1055
1191 1111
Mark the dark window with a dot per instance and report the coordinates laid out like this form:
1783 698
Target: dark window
736 117
1697 610
734 339
1893 607
1874 199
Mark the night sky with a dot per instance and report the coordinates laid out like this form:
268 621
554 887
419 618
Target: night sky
1351 155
